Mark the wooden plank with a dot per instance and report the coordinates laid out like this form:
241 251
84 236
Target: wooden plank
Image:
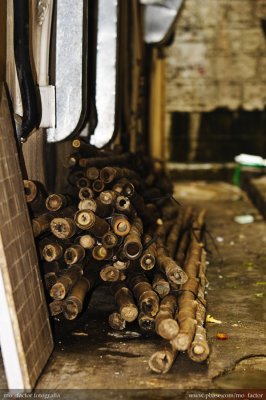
157 107
2 39
25 334
33 153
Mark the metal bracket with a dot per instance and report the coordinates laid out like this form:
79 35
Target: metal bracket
159 19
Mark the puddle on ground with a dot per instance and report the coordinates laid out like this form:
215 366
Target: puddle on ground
248 374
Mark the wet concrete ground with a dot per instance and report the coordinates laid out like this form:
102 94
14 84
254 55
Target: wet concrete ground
93 357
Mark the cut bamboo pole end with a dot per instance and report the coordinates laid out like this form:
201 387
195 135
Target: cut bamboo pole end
56 307
162 361
116 322
126 305
74 302
165 324
199 349
160 285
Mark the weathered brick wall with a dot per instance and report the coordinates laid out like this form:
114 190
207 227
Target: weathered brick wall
218 58
19 264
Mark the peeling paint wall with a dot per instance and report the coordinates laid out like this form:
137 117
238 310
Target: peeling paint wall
218 58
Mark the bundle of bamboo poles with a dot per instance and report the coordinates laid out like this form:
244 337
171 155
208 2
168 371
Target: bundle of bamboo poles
118 225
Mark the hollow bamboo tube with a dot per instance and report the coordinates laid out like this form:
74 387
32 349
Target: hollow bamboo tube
173 236
89 150
126 305
74 302
181 252
87 220
74 254
83 182
86 204
132 244
41 224
100 162
182 248
120 224
187 324
109 174
65 282
165 324
108 197
35 194
74 176
31 189
85 193
92 173
109 240
98 185
63 228
167 265
52 251
186 315
146 323
199 348
86 241
160 285
50 279
56 202
162 361
148 258
198 224
147 299
56 307
99 252
110 274
170 268
95 205
116 322
123 205
72 160
124 187
121 265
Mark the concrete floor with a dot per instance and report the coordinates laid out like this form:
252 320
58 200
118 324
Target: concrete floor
93 357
